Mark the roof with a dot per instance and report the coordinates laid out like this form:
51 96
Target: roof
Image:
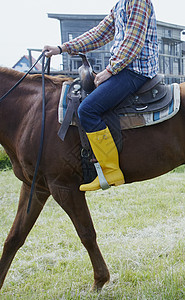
23 64
175 26
62 17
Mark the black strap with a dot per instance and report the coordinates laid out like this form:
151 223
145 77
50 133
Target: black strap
67 120
83 137
60 49
41 137
72 109
47 66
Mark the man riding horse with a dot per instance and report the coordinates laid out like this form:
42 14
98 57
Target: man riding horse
134 59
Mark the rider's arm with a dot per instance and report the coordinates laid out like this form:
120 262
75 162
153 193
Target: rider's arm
95 38
138 13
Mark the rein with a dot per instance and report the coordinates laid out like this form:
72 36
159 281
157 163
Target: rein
43 117
42 133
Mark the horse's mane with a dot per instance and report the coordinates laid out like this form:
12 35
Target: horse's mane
16 75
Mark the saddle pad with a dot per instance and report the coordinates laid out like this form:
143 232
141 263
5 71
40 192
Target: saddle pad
128 121
62 107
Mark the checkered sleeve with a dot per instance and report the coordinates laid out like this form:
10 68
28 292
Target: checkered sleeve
95 38
138 12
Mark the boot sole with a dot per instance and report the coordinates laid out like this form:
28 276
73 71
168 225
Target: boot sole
118 182
85 189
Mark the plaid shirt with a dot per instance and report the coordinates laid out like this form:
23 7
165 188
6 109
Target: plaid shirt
132 25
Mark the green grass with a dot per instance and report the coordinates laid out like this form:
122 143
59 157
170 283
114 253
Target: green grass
4 160
140 230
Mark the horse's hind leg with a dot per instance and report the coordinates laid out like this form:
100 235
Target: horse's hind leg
74 203
22 225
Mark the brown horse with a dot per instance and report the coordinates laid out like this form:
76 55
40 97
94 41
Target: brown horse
148 152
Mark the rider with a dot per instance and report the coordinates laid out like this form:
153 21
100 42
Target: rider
134 59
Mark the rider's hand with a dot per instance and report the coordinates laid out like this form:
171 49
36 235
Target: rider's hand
101 77
53 50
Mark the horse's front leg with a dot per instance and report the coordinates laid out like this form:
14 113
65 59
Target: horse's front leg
22 225
74 203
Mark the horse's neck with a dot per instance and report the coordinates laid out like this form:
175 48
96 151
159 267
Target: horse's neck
21 110
13 108
10 122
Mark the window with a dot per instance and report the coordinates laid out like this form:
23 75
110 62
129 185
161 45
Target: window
177 49
70 36
168 32
168 48
75 64
161 64
160 46
167 65
96 68
176 66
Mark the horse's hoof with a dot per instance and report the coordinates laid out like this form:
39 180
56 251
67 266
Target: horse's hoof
98 285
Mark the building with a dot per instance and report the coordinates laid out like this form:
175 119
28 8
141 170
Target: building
24 64
171 56
171 46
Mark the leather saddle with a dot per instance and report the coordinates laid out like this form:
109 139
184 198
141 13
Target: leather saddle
153 96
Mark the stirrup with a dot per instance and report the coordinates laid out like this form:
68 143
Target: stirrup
103 182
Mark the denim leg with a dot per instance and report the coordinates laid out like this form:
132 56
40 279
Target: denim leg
106 96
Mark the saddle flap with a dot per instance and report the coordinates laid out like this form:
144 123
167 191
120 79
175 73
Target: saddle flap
151 96
146 106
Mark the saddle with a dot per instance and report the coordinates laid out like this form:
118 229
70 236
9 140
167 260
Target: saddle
154 95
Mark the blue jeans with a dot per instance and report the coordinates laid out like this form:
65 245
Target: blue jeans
106 96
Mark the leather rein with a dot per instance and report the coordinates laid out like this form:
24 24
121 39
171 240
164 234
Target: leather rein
44 67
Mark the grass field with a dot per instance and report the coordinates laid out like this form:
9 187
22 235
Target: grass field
141 233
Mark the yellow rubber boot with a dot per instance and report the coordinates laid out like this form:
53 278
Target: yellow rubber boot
106 153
